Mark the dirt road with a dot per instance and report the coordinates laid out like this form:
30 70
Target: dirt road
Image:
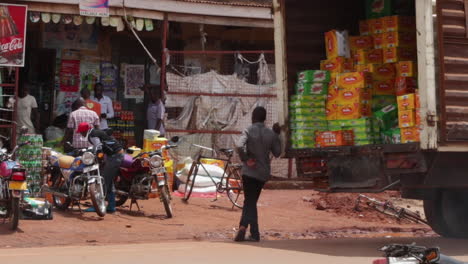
330 251
284 214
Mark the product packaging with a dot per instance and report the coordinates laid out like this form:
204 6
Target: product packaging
314 76
409 135
405 85
406 102
387 117
311 88
335 138
336 43
385 87
406 69
406 118
371 56
384 72
400 23
361 42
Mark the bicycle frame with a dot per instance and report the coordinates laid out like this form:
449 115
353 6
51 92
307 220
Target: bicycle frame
198 163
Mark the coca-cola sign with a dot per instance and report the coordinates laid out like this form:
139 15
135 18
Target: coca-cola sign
12 34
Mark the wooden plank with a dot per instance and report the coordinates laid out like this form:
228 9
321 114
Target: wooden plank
465 3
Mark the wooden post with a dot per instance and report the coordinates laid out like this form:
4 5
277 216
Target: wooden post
163 55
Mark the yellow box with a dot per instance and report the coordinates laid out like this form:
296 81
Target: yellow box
396 54
399 39
406 102
334 65
349 96
332 96
152 145
410 134
406 69
399 24
376 25
336 44
365 68
353 80
371 56
406 118
364 28
366 108
384 72
385 87
379 41
361 42
349 111
215 162
332 110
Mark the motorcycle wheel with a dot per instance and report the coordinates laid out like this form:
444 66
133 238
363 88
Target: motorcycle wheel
120 199
14 213
163 191
97 198
61 203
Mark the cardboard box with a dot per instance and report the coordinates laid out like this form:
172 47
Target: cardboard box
376 25
307 112
364 28
384 72
406 102
349 111
311 88
396 54
417 101
363 142
378 8
331 110
321 97
336 44
306 104
405 85
417 112
353 80
361 42
349 96
364 68
361 122
400 23
399 39
334 65
406 69
334 138
379 41
380 101
366 108
314 76
387 117
366 94
406 118
385 87
409 135
371 56
391 136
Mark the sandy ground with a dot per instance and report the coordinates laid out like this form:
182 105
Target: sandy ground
284 214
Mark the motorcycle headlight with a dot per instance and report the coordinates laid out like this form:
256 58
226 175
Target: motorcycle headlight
156 161
88 158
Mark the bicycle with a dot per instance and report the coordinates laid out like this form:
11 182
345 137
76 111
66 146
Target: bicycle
231 181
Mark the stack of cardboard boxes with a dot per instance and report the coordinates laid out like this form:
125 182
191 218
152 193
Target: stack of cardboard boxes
365 75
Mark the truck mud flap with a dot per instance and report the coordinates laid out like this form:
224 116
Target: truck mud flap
354 171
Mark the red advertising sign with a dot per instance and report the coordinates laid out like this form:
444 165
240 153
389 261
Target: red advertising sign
12 34
70 76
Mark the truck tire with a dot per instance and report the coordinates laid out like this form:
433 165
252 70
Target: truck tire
454 209
432 210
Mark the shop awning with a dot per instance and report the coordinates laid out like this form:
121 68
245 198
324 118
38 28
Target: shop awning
239 13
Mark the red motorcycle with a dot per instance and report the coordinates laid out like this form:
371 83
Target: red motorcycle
137 177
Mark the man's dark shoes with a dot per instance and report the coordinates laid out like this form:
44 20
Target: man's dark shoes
240 236
253 238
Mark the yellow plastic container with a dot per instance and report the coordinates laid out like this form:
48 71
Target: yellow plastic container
152 145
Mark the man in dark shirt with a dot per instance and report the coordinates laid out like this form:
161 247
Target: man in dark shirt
254 148
115 155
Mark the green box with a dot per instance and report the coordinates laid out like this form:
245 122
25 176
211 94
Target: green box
351 122
296 125
380 101
302 137
387 117
359 129
363 142
308 111
378 8
391 136
359 136
318 97
307 104
312 88
314 76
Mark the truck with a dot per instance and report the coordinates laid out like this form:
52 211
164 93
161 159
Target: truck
434 170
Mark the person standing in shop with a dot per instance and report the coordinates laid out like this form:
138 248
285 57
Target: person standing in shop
90 104
107 110
27 112
254 148
156 110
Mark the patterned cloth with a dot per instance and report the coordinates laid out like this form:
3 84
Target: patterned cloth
78 116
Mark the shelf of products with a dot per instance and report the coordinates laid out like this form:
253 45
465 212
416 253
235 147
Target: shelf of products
30 157
123 125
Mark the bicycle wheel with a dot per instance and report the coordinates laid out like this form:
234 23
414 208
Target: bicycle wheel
234 188
190 181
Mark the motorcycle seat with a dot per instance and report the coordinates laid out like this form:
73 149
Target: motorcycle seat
65 162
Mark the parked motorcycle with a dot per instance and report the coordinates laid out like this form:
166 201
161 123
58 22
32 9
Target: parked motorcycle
72 179
137 175
12 185
413 254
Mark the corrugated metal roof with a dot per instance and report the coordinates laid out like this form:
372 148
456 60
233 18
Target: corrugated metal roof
253 3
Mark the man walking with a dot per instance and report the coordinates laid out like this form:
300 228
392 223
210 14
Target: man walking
254 148
114 156
27 113
80 115
107 110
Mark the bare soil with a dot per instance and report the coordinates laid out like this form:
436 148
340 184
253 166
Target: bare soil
283 214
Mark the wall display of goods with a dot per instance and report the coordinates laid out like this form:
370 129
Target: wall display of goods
30 157
123 125
366 90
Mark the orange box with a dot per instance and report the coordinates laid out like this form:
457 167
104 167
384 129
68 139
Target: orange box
353 80
409 135
364 28
418 117
392 55
406 118
348 65
376 25
379 41
371 56
349 111
385 87
399 39
384 72
361 42
331 110
406 102
405 85
335 138
364 68
406 69
417 101
366 94
349 96
399 24
336 44
335 65
332 96
366 108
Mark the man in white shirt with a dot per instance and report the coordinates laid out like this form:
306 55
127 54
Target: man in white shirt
107 110
27 111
